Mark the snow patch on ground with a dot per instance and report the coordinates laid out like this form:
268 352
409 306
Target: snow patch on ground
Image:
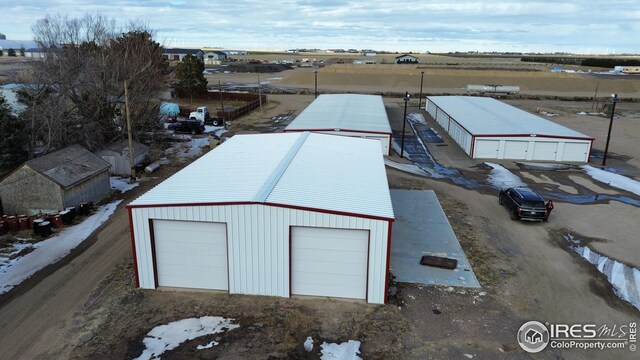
416 117
410 168
624 279
121 184
216 131
343 351
52 249
191 148
615 180
502 178
169 336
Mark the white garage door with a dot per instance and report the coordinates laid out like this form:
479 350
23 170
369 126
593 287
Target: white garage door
543 150
575 152
329 262
516 150
486 149
191 254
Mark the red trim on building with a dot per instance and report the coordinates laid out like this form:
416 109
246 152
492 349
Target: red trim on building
345 130
290 247
133 247
386 280
153 254
535 136
295 207
473 147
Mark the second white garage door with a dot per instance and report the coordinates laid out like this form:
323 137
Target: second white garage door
329 262
191 254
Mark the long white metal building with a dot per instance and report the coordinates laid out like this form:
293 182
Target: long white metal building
270 214
486 128
354 115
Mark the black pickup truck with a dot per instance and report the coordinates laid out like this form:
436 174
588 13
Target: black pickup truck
523 204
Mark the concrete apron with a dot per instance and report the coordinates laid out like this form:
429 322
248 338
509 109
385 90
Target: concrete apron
421 228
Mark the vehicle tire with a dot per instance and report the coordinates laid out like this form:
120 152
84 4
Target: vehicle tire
192 118
193 132
513 215
216 122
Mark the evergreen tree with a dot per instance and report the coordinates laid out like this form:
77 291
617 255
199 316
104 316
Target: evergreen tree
190 78
11 52
12 141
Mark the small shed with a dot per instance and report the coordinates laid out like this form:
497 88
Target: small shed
117 155
486 128
407 59
292 214
354 115
55 181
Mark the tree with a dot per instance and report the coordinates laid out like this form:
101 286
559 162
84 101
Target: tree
190 78
11 52
22 51
12 141
1 52
78 96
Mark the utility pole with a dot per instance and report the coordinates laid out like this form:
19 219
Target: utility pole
221 101
404 122
595 94
131 155
259 92
421 81
315 73
615 99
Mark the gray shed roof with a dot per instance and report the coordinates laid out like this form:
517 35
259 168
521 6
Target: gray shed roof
69 166
346 112
120 146
487 116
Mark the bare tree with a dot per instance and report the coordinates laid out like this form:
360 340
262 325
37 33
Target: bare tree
77 92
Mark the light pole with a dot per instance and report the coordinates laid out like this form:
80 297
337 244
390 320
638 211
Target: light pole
315 74
404 122
614 99
421 81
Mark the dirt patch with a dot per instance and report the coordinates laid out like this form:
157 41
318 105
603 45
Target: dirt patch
116 318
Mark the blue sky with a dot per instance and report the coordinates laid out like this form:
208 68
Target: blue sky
581 26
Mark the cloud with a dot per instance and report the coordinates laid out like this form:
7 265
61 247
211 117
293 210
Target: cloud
562 25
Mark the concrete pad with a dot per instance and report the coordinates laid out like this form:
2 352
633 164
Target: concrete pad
421 228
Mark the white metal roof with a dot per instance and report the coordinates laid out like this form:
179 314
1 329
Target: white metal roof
302 169
487 116
353 112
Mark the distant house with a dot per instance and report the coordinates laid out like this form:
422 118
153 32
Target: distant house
407 59
179 54
9 92
55 181
234 52
214 57
34 53
369 53
117 155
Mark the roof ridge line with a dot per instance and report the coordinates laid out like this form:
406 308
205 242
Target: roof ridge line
268 186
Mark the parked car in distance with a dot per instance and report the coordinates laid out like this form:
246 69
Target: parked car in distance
189 126
523 204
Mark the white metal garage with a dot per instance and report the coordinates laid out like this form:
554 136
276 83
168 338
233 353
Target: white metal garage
486 128
270 214
354 115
